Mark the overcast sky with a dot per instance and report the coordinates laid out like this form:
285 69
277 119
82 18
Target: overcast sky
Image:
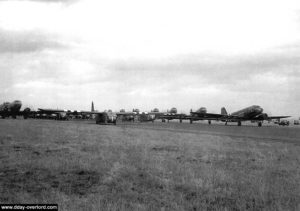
147 54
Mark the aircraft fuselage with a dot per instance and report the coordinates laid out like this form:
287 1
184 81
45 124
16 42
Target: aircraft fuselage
10 109
250 112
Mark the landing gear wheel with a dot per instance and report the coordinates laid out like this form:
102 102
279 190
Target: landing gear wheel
209 122
239 123
259 124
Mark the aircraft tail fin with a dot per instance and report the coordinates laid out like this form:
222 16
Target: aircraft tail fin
92 107
223 111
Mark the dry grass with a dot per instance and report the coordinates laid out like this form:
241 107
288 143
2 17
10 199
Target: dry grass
84 166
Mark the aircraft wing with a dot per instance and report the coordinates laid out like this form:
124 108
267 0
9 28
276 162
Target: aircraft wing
229 118
126 113
173 116
90 112
277 117
196 118
208 115
55 111
157 113
50 111
260 118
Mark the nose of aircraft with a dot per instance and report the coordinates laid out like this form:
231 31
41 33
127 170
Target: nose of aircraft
15 106
17 103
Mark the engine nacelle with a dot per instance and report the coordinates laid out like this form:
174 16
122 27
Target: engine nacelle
173 111
262 116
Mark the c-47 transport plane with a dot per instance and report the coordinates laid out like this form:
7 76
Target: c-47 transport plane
170 115
253 113
13 109
201 114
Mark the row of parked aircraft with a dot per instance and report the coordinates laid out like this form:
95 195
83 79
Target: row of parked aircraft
252 113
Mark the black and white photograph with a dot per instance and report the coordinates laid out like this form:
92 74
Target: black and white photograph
138 105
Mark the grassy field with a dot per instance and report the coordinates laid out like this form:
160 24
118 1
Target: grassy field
84 166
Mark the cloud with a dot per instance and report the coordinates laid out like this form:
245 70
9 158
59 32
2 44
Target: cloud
219 69
132 54
27 41
49 1
71 79
270 78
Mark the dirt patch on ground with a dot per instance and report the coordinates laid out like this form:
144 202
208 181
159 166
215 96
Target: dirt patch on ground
136 185
77 182
203 199
90 149
8 144
165 148
54 151
23 148
193 160
36 180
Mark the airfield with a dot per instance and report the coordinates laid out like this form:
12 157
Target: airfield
149 166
